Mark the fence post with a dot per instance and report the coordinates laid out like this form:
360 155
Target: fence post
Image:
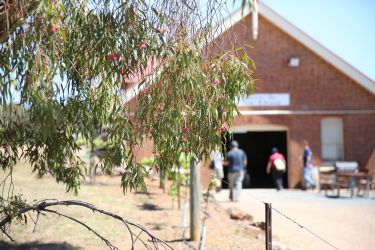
268 229
195 205
184 214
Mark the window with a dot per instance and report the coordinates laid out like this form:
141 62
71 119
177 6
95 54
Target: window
332 139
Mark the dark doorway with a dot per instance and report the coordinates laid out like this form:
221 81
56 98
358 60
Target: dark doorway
257 146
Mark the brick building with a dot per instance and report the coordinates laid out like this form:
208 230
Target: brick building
303 92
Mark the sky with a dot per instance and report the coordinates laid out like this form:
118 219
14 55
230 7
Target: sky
346 27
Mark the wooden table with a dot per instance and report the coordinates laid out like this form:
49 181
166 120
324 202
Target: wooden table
352 177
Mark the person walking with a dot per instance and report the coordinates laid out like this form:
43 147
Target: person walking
237 161
217 168
277 166
307 166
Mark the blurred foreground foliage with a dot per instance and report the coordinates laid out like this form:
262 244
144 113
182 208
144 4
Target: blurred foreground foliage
138 70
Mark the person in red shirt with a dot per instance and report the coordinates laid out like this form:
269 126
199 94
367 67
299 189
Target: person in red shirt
277 166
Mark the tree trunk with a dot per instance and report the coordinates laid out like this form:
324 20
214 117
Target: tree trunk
92 169
162 175
195 220
179 186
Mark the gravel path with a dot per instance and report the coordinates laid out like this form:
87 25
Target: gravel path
344 222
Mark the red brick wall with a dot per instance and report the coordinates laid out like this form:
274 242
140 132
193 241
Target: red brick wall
359 140
314 85
145 151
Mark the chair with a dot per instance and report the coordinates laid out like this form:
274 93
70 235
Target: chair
363 182
327 181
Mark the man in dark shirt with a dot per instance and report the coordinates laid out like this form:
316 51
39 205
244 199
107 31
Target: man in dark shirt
236 162
307 166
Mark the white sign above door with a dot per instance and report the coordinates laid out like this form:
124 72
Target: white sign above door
266 99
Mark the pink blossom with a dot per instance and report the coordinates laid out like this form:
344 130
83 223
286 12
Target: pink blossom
142 45
156 154
224 127
216 82
53 29
162 31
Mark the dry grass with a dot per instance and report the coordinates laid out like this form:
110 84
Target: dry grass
154 210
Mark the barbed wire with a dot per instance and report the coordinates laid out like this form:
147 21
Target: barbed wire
290 219
303 227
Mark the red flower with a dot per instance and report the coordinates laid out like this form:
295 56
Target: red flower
52 29
224 127
141 46
216 82
114 56
185 129
162 31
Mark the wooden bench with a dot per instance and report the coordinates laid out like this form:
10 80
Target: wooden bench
366 184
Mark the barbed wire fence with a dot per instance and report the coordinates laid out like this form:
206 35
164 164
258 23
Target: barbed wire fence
268 208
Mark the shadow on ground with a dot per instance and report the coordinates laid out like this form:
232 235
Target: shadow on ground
37 246
150 207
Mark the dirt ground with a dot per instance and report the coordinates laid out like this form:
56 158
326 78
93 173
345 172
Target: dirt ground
345 223
155 210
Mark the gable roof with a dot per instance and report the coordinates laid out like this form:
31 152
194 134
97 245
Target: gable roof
301 37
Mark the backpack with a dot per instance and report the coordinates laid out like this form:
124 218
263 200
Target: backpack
279 165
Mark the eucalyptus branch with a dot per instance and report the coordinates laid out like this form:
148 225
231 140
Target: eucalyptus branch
19 11
107 242
67 60
43 205
36 221
5 232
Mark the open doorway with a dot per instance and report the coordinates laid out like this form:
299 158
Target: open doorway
257 146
